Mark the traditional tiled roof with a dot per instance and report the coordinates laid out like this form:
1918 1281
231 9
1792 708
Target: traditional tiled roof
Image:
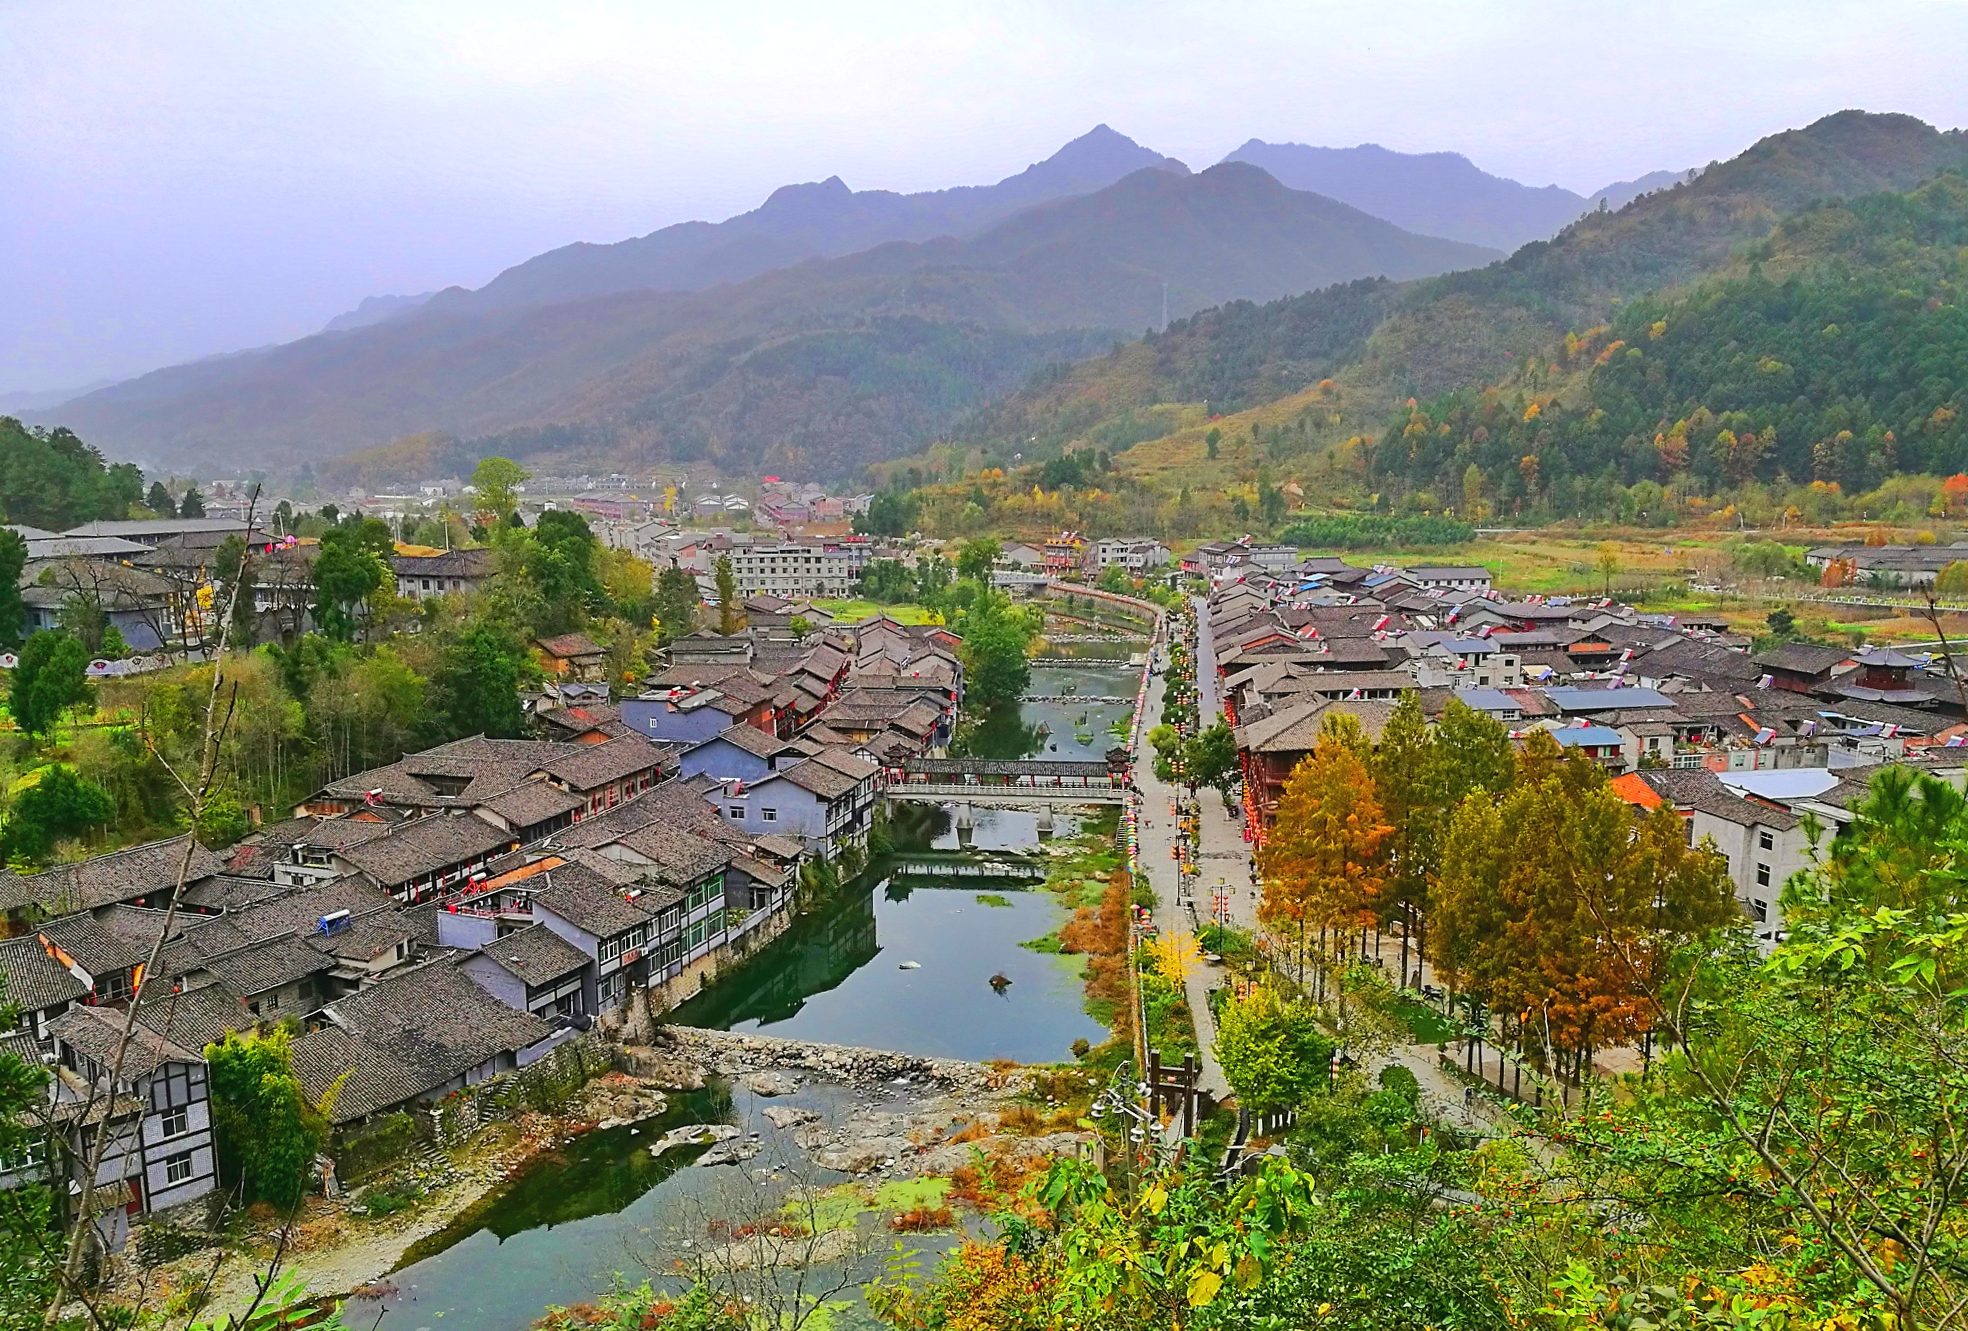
363 1079
199 1015
678 857
249 966
1803 658
532 802
31 980
94 948
536 955
584 898
118 876
570 645
426 845
435 1022
95 1031
226 891
447 564
830 775
592 766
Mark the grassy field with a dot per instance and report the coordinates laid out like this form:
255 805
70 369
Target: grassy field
848 612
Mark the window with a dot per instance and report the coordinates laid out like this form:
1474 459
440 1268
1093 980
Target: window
1762 875
176 1122
610 949
1761 910
1766 841
769 815
737 812
177 1168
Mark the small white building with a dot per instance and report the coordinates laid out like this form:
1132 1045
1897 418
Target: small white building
1132 553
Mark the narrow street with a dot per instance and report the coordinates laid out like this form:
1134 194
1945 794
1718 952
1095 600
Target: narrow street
1225 861
1158 832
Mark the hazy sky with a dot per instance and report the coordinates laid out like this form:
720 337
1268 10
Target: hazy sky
180 179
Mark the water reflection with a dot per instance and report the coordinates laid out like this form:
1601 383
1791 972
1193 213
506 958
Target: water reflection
597 1173
838 975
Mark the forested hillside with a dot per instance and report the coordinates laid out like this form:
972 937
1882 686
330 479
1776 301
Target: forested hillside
1684 254
52 480
1836 351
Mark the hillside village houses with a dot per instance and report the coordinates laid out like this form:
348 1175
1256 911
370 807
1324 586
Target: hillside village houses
464 911
1681 713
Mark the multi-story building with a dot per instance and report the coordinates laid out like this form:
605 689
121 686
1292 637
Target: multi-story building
830 569
418 576
1134 555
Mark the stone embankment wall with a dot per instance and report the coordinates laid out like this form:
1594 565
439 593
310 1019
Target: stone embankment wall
544 1086
637 1019
732 1053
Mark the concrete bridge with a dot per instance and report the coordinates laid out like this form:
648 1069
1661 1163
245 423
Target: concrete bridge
1010 783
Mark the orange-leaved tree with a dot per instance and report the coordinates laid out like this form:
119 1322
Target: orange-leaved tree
1558 905
1325 866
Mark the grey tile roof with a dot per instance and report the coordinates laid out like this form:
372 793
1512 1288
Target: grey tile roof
679 858
31 980
583 897
199 1015
532 802
536 955
593 766
753 741
248 967
121 875
96 1030
449 564
229 892
364 1079
425 845
1803 658
94 948
435 1022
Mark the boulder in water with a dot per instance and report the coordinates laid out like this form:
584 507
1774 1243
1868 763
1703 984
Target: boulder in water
695 1134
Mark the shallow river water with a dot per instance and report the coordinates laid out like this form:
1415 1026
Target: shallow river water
573 1220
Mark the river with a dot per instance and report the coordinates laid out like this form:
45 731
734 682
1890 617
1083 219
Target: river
837 975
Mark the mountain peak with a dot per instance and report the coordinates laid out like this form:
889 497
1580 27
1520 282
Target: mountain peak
1093 161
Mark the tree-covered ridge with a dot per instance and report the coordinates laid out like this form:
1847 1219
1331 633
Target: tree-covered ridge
1845 367
1231 357
51 479
1385 342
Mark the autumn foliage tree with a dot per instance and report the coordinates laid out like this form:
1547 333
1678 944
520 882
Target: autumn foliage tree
1559 910
1325 867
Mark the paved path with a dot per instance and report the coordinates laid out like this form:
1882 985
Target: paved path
1206 699
1158 832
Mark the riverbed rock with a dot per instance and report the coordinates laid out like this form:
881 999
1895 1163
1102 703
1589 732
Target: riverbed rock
863 1154
787 1116
695 1134
737 1150
660 1068
831 1245
740 1052
771 1084
812 1135
616 1100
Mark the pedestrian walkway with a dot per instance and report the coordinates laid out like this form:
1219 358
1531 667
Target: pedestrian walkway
1158 829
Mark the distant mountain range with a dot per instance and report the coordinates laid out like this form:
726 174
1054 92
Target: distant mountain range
1316 370
375 309
825 364
1438 194
799 222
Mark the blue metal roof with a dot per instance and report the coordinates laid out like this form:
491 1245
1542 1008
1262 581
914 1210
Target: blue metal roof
1572 737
